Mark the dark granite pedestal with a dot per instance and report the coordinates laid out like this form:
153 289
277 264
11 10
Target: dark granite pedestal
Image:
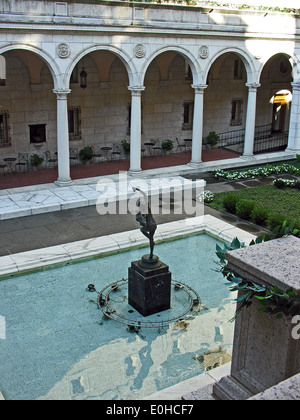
149 286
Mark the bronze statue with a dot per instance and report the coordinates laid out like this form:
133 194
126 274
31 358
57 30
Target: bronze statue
146 220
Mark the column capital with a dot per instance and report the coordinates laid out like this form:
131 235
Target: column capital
199 88
136 90
62 93
253 86
296 86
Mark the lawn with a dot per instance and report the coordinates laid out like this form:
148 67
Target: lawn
283 203
295 163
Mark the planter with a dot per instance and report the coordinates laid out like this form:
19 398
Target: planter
167 145
86 155
36 161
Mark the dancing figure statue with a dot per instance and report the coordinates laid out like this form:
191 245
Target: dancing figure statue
146 220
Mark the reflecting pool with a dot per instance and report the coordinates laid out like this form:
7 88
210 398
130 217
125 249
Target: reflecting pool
59 346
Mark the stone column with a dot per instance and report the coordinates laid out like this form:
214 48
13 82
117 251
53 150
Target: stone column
2 67
198 125
250 119
294 133
63 153
266 350
136 129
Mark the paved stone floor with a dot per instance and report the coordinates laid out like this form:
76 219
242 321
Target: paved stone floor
54 228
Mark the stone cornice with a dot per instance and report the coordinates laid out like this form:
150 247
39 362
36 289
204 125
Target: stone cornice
150 18
203 31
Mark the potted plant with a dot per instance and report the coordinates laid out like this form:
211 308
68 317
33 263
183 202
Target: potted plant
126 146
86 154
36 161
212 138
167 145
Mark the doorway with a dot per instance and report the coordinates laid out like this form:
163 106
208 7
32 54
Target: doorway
281 106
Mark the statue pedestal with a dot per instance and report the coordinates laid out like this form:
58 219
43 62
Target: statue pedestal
149 286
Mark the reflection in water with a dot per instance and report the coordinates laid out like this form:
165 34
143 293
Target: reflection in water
139 365
59 347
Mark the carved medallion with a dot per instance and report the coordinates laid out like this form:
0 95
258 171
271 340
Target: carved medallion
63 50
140 50
204 52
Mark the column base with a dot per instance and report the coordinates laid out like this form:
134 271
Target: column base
247 157
292 151
134 172
195 165
60 183
230 389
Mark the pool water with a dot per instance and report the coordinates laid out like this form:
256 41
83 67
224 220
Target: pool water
58 346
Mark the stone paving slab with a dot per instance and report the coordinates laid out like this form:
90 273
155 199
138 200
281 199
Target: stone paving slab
50 199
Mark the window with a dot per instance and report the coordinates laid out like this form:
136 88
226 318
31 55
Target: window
37 133
188 115
4 129
236 112
74 120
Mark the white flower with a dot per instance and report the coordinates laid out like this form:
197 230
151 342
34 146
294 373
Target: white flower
206 196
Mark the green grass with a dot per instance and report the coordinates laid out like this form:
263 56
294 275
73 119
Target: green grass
296 164
285 202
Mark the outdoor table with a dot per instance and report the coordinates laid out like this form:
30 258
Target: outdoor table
10 162
188 142
105 150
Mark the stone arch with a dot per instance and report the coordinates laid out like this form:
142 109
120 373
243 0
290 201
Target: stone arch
293 59
195 67
47 59
125 59
246 59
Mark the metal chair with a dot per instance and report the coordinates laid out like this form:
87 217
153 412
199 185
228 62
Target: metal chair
3 166
74 156
188 143
49 159
149 146
157 146
180 145
9 163
106 150
96 153
23 161
116 152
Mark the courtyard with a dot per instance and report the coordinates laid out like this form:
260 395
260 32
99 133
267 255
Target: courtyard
77 227
103 101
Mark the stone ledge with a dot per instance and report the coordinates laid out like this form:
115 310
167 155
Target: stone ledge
261 264
286 390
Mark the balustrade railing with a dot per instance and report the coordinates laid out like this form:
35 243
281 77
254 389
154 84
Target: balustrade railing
264 139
